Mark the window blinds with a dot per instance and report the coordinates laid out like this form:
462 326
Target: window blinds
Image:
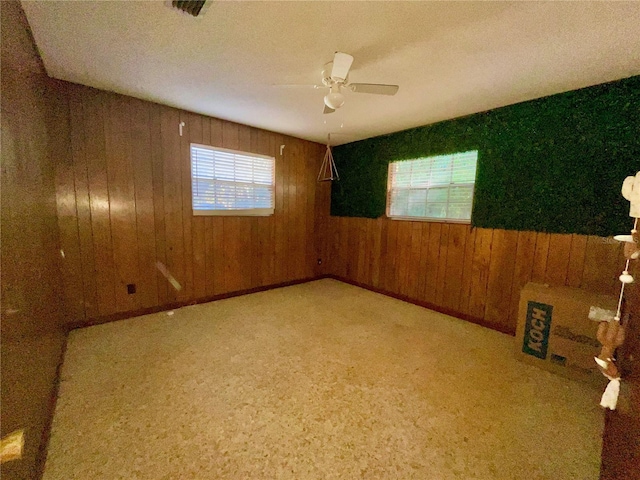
227 182
433 188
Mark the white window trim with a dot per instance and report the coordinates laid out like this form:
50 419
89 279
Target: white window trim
463 221
431 219
251 212
229 150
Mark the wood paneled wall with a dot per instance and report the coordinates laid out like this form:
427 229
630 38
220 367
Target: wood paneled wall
32 334
124 203
471 273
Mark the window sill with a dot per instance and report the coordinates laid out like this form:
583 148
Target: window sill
255 212
432 220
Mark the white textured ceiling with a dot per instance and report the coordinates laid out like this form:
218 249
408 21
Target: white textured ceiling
449 58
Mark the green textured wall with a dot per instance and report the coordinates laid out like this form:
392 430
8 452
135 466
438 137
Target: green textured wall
553 164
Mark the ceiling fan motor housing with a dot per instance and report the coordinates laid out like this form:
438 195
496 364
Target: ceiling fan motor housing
328 80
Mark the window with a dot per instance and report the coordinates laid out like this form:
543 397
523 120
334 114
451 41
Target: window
226 182
433 188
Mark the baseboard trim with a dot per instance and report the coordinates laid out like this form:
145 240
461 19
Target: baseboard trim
43 449
212 298
421 303
171 306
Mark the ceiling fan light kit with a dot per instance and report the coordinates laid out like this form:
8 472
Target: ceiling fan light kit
334 99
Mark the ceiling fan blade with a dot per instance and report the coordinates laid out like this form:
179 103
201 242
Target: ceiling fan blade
328 109
374 88
341 65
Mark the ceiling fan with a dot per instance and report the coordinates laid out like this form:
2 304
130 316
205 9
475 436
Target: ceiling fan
335 76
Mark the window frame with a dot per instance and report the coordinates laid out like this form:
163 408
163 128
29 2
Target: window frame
462 221
250 212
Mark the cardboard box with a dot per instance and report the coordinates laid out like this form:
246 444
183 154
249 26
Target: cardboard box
555 333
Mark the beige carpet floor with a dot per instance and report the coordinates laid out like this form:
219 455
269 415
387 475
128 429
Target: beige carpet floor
315 381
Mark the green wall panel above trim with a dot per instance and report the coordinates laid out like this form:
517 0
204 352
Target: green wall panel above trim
555 164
